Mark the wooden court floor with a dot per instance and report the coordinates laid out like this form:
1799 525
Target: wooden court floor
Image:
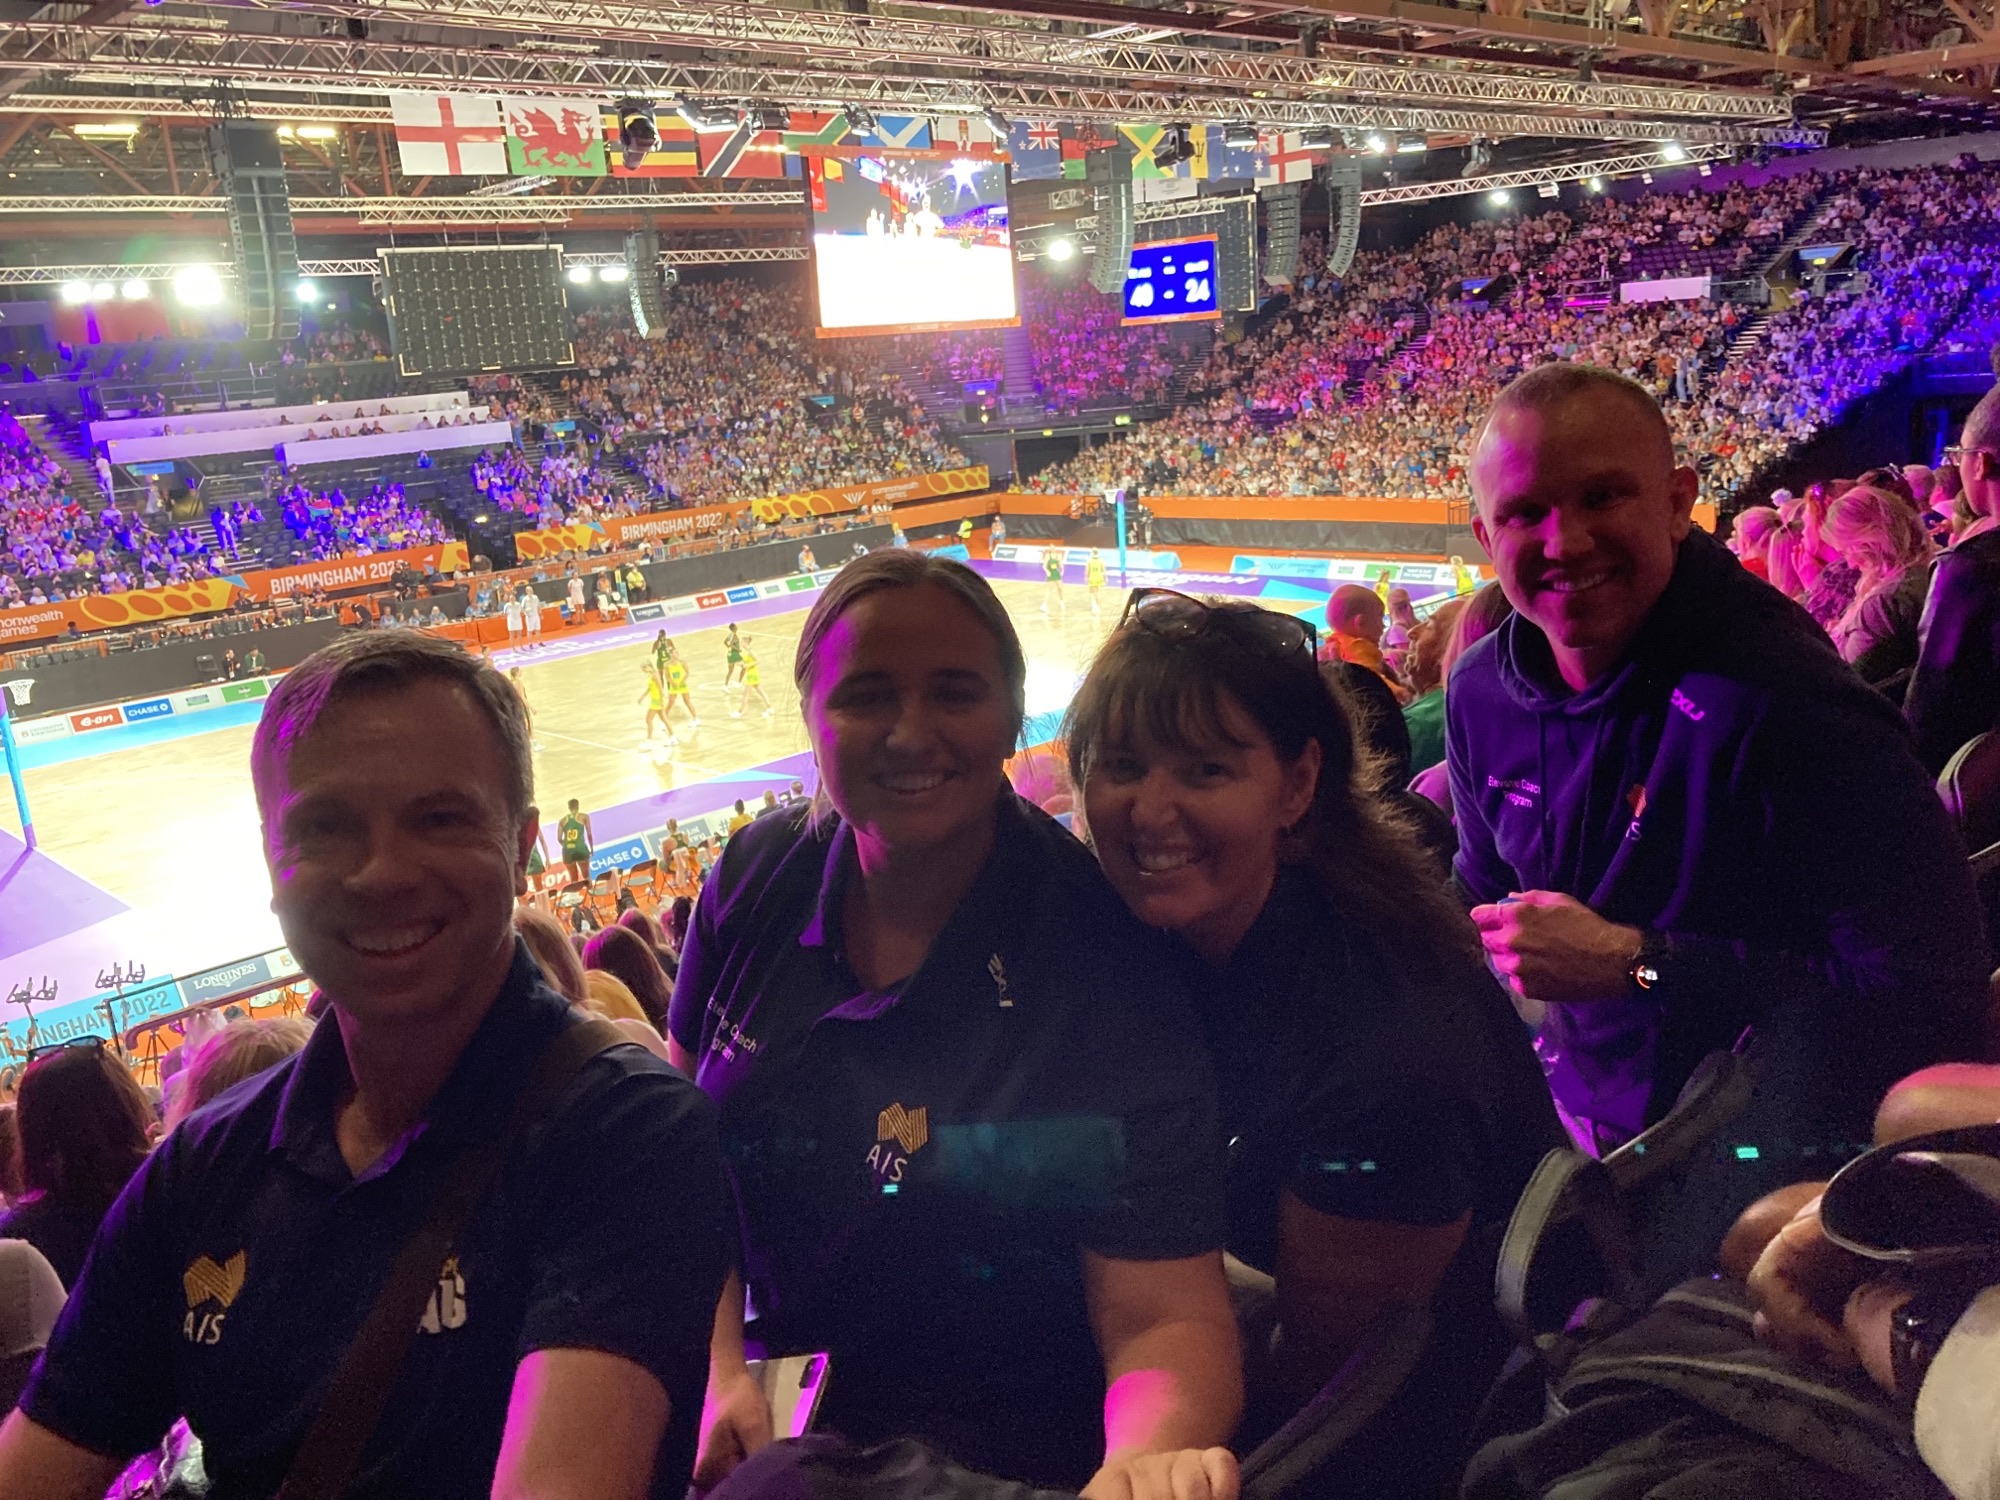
173 826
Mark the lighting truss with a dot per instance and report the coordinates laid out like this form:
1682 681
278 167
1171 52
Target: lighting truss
464 209
143 58
326 270
775 32
1571 171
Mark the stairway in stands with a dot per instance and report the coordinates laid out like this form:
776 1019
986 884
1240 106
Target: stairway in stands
1018 370
1747 337
64 443
1809 222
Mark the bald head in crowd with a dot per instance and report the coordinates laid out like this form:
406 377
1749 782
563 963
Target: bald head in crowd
1357 611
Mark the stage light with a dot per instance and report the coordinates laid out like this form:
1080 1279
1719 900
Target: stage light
479 520
1377 143
638 131
1673 151
307 291
1062 249
103 291
318 133
105 130
578 275
135 291
613 274
1317 138
1499 197
198 286
75 293
1595 184
999 123
1240 135
858 118
1410 142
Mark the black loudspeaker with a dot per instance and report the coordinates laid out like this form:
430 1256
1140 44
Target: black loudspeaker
1343 195
252 173
642 281
1109 174
1281 233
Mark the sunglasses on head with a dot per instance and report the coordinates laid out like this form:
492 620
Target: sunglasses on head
1178 616
46 1048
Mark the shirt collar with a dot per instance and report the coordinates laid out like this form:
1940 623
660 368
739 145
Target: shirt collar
473 1099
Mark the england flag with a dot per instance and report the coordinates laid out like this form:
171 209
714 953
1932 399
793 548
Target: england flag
449 135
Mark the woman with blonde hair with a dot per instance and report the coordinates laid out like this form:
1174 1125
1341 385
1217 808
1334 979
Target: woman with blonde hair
1750 539
1878 533
241 1050
550 944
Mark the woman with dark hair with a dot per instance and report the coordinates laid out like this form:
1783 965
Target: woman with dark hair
1382 1102
619 950
967 1115
84 1127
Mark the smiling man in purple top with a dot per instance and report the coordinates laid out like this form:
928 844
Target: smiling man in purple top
1680 814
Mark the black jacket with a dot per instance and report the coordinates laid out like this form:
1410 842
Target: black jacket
1956 691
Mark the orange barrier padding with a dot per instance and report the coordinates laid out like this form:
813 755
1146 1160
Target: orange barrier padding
943 510
844 497
576 536
1279 508
356 572
35 622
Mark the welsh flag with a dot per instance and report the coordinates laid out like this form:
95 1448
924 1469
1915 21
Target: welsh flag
556 137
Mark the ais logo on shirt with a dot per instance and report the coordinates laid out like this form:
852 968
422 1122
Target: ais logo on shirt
210 1290
897 1126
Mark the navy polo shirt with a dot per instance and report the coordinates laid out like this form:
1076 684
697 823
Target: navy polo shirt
240 1261
917 1171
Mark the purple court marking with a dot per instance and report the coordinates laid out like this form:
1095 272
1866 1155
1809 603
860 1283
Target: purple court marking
1245 585
628 819
41 900
611 639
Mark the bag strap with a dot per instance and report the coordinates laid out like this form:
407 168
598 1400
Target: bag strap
362 1382
1566 1185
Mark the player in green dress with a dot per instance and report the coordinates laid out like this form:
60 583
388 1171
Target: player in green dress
574 836
1052 579
732 646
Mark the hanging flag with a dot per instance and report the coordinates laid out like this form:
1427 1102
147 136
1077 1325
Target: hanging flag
674 156
1282 158
961 133
1036 146
745 151
1224 162
810 129
556 137
1078 141
1144 141
449 135
897 133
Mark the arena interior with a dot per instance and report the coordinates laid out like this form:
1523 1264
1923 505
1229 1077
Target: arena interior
714 411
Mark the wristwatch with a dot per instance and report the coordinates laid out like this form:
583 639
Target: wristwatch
1648 968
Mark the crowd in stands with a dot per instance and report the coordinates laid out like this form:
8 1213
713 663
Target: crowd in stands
328 523
1371 384
1084 356
341 342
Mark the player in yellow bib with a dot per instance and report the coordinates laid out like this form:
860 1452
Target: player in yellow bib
753 682
1093 579
677 686
656 708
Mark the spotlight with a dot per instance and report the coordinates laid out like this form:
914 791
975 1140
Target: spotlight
1499 197
1673 151
1707 170
198 286
1317 138
1479 159
765 116
638 130
135 291
1647 178
1176 145
1410 142
1240 135
1377 143
578 275
859 118
689 111
1062 249
612 274
307 290
999 123
1595 184
318 133
104 291
75 292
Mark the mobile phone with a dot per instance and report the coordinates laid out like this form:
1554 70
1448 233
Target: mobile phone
793 1384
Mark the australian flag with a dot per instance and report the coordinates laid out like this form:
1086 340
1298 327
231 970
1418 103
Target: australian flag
1036 147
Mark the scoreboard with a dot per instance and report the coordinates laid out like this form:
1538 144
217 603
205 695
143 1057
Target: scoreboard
1173 281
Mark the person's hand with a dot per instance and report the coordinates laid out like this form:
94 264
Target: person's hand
1867 1319
1189 1474
1552 948
735 1423
1801 1284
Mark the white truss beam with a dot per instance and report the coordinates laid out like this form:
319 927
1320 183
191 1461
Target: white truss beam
775 32
324 270
140 58
455 209
1574 171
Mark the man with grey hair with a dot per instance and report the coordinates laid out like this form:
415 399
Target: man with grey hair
1681 816
1955 693
563 1349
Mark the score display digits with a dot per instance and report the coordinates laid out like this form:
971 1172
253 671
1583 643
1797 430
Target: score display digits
1173 281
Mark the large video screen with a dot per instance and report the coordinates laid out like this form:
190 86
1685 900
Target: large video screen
907 245
1173 281
485 307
